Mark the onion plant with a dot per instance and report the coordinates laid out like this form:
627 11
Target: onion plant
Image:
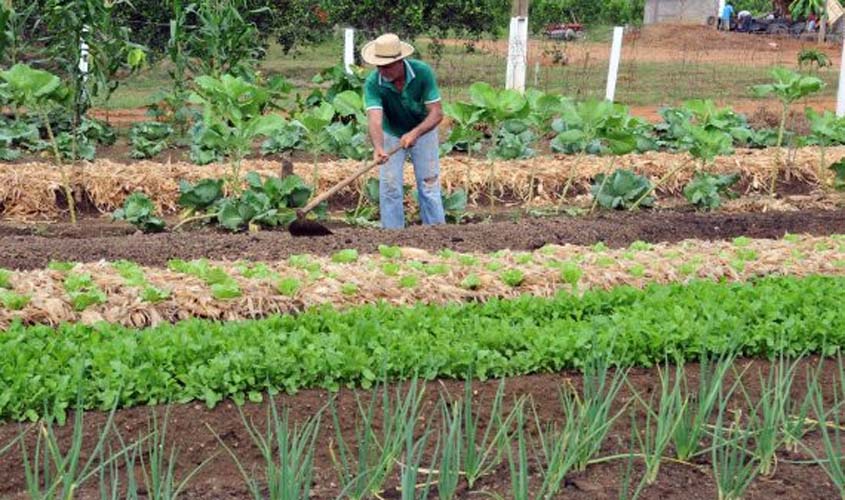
734 469
831 430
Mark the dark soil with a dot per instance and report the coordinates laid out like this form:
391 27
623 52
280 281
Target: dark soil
190 428
28 247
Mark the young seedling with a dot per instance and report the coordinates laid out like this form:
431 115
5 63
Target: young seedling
660 425
733 467
377 453
287 453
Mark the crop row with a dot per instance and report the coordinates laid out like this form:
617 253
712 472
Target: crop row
126 293
106 364
30 190
732 426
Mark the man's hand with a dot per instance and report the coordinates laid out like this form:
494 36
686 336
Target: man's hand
408 140
379 156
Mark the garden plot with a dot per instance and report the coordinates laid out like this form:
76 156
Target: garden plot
125 293
31 191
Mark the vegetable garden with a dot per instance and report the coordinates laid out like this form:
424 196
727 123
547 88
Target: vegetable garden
616 307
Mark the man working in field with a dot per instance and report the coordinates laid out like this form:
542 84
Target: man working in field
403 110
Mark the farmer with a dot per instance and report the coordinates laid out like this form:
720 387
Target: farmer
725 16
403 109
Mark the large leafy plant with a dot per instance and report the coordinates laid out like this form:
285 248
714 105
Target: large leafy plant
139 211
622 189
705 190
233 116
826 129
40 92
149 138
266 202
464 133
788 87
597 127
513 141
673 132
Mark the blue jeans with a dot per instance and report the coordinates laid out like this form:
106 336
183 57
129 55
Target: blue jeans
426 159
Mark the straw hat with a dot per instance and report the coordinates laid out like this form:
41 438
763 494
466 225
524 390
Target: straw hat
385 49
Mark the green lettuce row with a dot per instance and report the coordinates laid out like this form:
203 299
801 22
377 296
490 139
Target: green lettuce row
43 370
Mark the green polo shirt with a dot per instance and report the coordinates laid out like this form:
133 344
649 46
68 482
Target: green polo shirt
402 110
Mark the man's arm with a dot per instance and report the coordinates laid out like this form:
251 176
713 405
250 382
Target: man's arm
374 119
432 120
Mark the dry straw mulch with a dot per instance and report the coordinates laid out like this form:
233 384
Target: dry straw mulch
31 191
437 278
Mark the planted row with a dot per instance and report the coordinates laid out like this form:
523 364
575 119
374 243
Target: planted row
417 443
323 347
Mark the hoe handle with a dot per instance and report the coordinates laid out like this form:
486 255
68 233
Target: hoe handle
342 184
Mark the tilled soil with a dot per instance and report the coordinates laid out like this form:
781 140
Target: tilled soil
29 248
192 427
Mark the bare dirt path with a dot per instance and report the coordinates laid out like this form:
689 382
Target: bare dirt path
21 249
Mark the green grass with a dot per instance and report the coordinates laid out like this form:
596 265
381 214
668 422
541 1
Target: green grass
640 83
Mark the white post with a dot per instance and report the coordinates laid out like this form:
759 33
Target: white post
615 55
517 54
83 54
840 96
348 49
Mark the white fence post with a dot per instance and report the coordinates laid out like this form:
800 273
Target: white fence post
517 54
840 96
615 56
348 49
83 54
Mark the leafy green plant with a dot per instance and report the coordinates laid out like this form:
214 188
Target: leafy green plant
622 189
813 57
346 256
223 286
83 292
597 127
705 190
409 281
149 139
154 295
139 211
233 116
826 130
41 92
512 277
838 169
13 301
513 141
464 133
788 87
200 196
289 286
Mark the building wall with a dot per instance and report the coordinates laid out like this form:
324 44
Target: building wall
691 11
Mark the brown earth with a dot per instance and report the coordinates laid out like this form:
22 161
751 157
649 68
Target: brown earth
29 247
190 431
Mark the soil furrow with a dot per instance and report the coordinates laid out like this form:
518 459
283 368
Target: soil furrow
88 243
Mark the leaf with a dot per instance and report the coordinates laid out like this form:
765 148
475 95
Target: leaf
201 195
621 189
348 103
839 170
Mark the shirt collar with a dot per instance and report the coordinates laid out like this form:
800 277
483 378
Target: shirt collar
409 74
